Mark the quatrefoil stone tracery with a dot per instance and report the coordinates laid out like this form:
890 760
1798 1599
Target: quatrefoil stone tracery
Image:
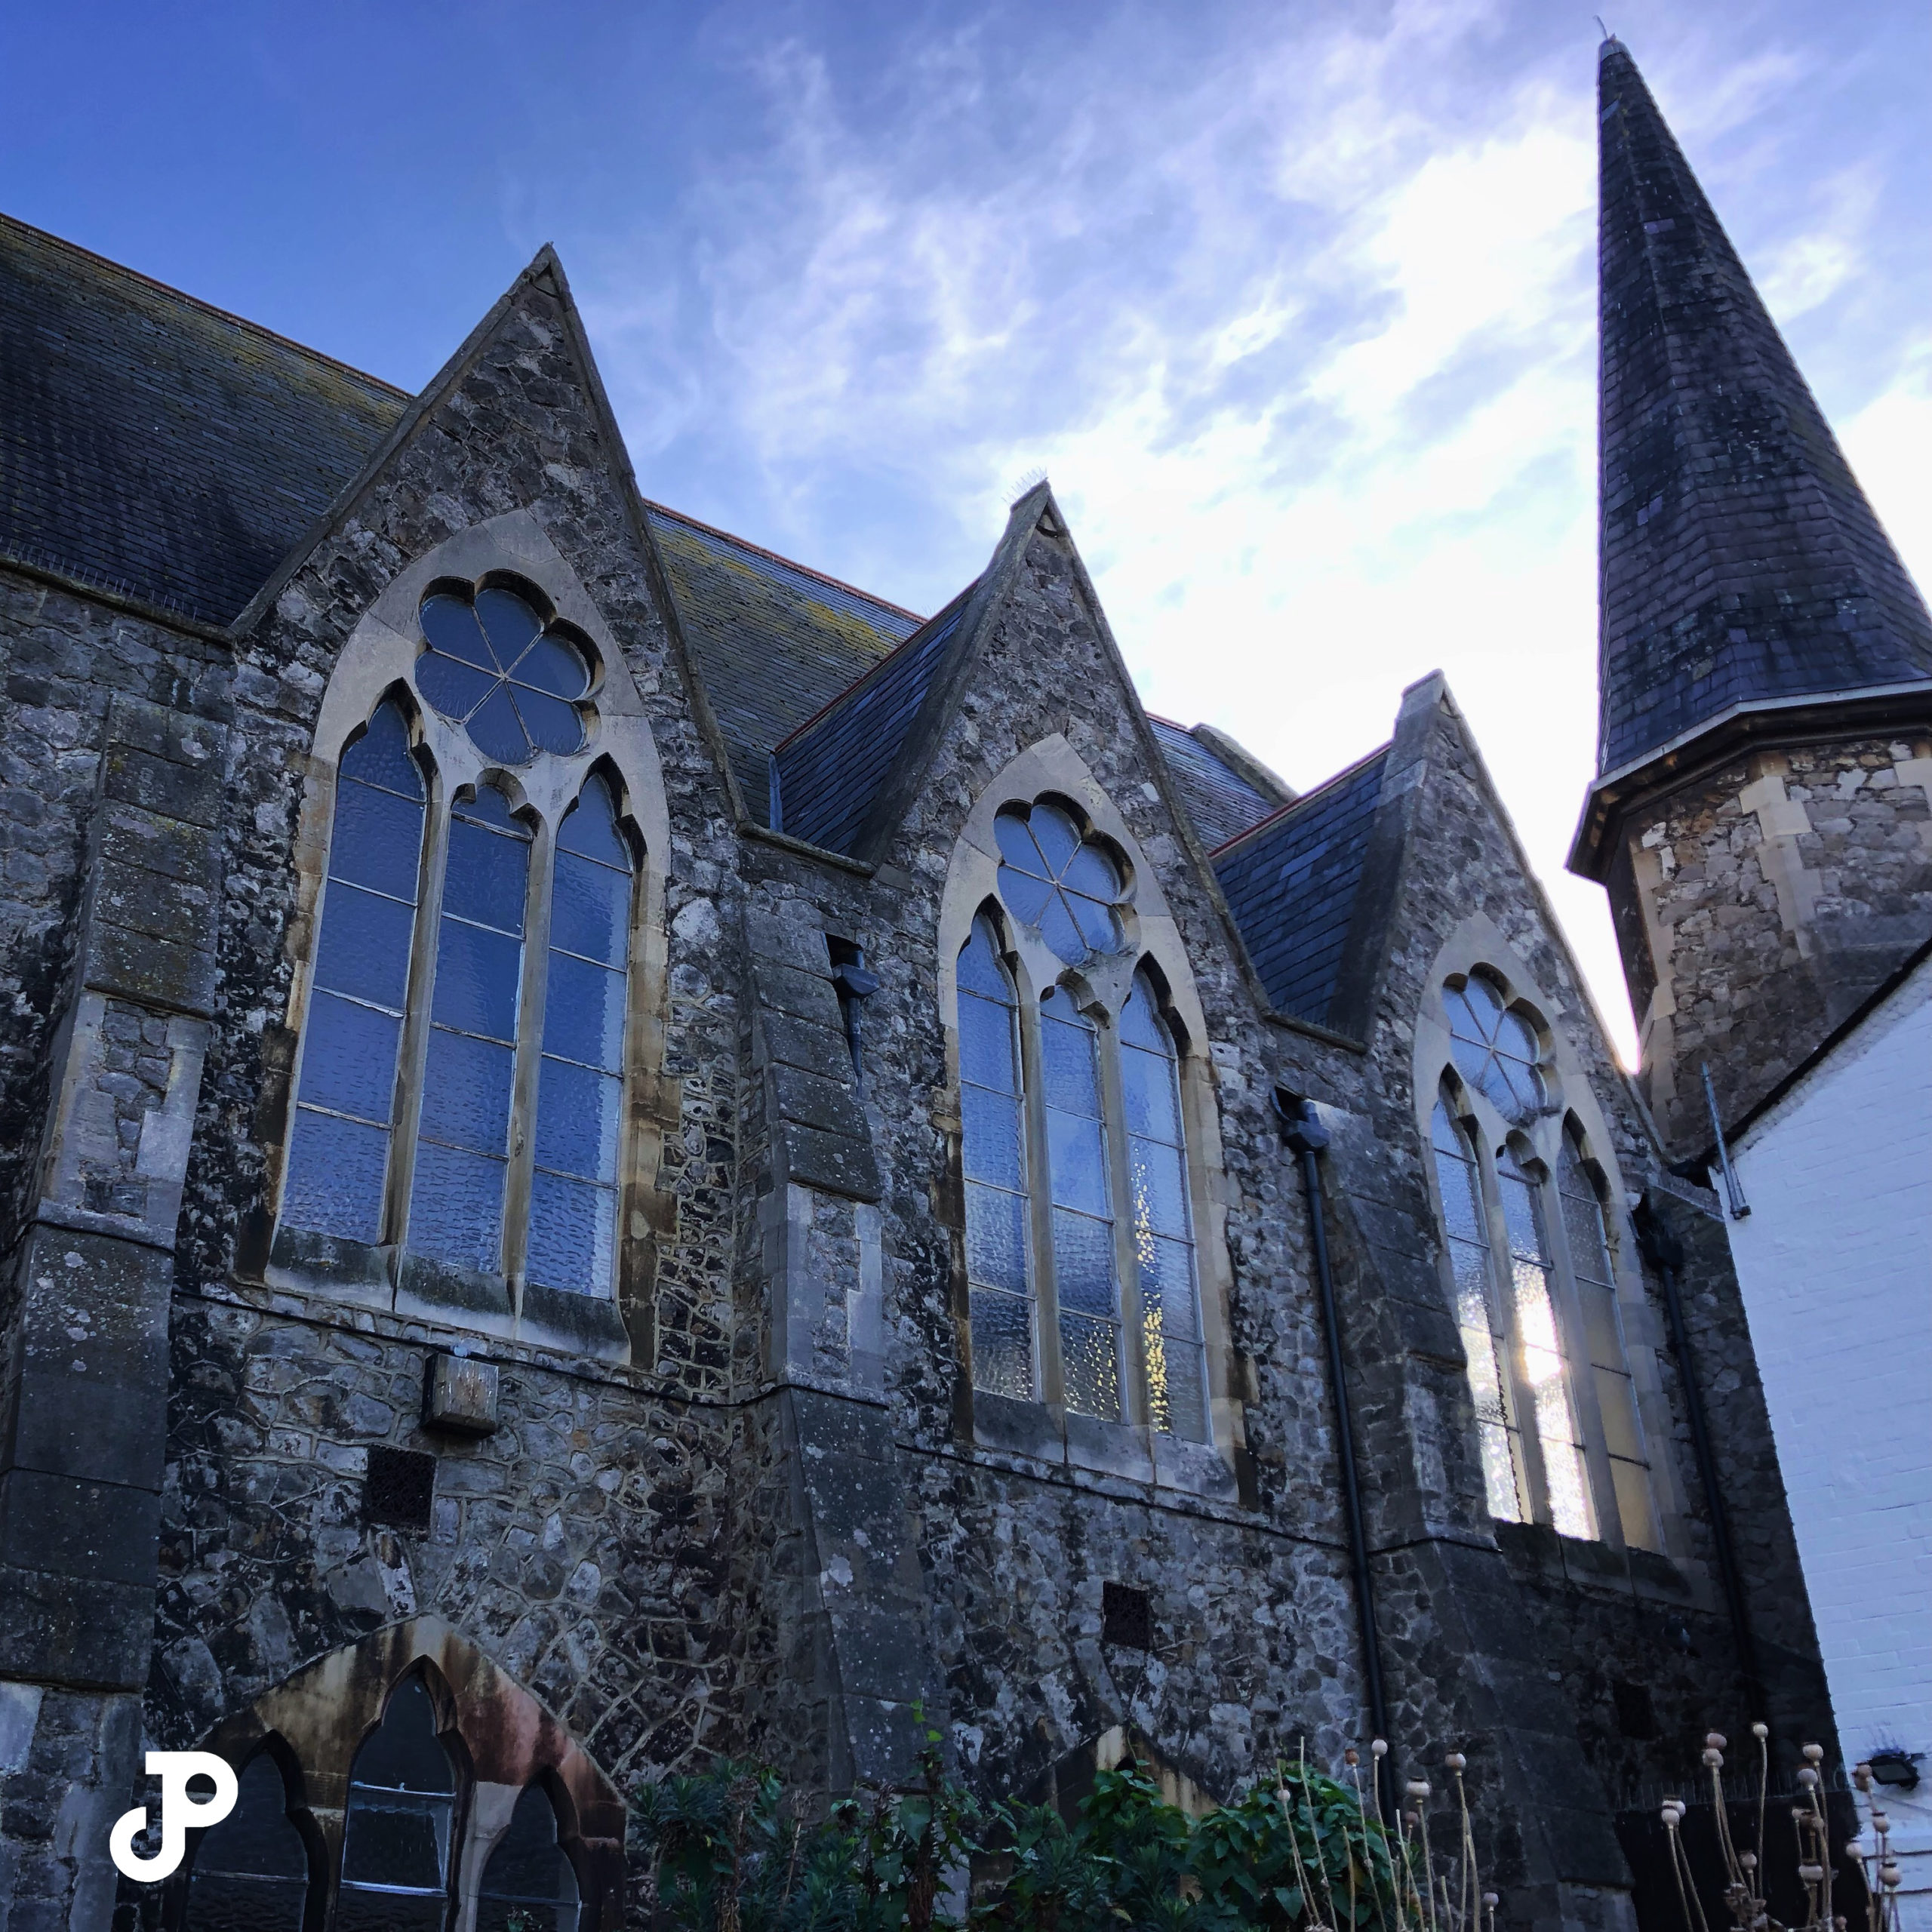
493 665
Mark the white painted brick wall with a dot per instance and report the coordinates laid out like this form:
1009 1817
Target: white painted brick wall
1835 1263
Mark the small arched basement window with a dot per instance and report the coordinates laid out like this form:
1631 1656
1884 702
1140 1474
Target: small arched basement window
250 1872
528 1885
399 1825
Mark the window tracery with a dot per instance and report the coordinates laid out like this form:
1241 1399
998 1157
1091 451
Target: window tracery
459 1102
1081 1260
250 1872
527 1877
1527 1244
398 1827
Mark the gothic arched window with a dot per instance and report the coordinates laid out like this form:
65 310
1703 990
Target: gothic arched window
398 1827
460 1099
527 1876
1081 1263
250 1872
1526 1240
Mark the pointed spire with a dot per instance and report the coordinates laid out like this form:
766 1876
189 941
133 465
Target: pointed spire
1741 564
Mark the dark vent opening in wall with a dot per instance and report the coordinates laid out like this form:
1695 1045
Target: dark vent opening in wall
399 1488
1126 1617
1636 1714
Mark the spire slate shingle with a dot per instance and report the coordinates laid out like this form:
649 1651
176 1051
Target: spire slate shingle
1740 562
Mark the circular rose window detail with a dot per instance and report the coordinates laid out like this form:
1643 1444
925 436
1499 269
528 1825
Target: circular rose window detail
1495 1049
493 666
1053 878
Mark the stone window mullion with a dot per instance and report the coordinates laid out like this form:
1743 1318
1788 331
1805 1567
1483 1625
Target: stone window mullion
1532 1477
529 1061
1127 1271
1051 1370
416 1024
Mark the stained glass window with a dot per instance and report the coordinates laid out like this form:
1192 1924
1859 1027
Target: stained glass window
1053 878
1541 1356
339 1145
455 1210
1495 1049
1478 1315
399 1822
251 1871
1603 1334
574 1192
1085 1280
993 1130
490 664
1163 1225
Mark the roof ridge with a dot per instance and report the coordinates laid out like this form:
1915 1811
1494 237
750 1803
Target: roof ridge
877 665
1302 799
790 563
207 308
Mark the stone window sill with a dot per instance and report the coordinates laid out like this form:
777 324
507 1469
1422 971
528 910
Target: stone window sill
1652 1575
1044 1433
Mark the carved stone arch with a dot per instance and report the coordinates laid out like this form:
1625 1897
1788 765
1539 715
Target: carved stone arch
1052 770
1069 1779
505 1739
512 551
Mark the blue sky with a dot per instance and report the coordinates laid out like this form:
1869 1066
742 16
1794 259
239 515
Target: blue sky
1294 302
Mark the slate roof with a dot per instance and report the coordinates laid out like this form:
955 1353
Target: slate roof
830 770
1222 804
775 643
151 445
1741 561
1291 881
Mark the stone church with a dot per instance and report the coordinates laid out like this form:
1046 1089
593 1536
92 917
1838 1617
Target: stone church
615 1150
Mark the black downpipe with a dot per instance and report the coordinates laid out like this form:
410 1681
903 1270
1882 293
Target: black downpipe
1664 1252
1306 1138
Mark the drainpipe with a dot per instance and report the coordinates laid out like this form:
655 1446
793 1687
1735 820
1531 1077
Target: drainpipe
1306 1137
1664 1252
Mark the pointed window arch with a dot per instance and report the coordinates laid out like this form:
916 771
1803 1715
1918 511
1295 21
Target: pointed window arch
528 1877
251 1871
460 1124
1527 1238
398 1827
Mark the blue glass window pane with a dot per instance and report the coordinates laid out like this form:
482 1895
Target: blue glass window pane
349 1058
1029 897
590 910
381 756
1056 835
1002 1343
1177 1388
1147 1088
1071 1068
583 1016
466 1092
1140 1023
552 665
456 1208
508 622
591 828
577 1119
1057 929
477 974
992 1123
363 950
1090 871
487 877
1099 929
456 690
1084 1264
995 1237
1166 1285
450 625
335 1176
1016 847
377 840
979 969
1089 1354
1076 1157
572 1231
497 729
552 725
986 1045
1159 1185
